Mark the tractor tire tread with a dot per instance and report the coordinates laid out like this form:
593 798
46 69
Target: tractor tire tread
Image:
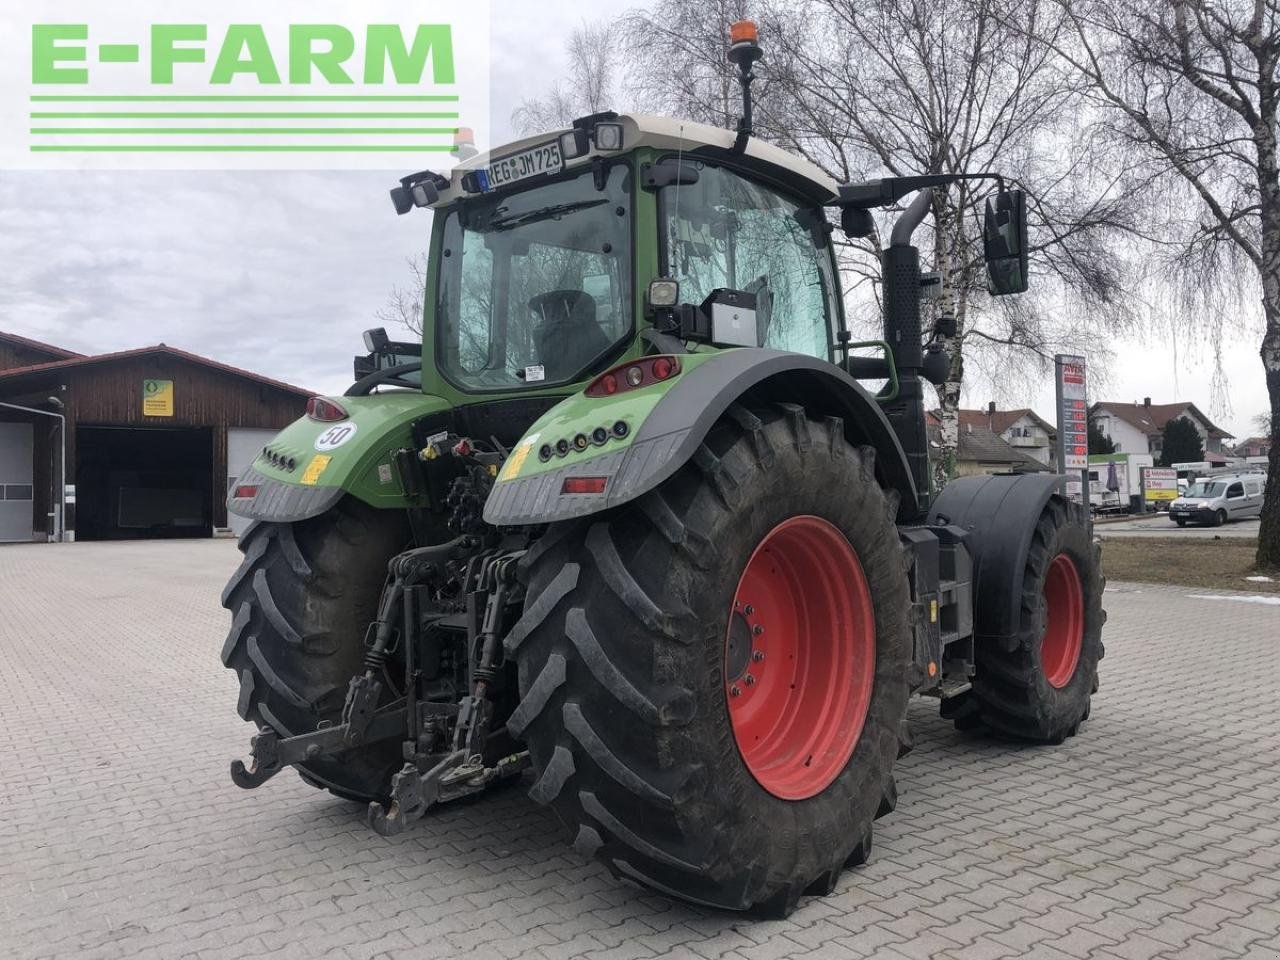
610 738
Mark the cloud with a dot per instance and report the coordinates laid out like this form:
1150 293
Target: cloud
280 272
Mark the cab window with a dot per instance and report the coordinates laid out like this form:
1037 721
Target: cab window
727 231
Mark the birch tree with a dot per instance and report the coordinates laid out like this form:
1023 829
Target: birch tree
867 88
1190 89
589 86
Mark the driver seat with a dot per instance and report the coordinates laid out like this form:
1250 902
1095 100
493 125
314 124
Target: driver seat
567 336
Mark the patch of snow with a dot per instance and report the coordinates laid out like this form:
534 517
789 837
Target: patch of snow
1250 598
1259 579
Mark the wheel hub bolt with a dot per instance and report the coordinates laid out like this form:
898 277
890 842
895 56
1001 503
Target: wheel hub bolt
757 630
749 610
758 656
735 691
748 679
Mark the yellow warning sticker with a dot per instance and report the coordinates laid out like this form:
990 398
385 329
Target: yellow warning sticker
933 611
315 468
511 469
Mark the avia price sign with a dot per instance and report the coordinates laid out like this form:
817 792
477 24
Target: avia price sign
321 84
1073 412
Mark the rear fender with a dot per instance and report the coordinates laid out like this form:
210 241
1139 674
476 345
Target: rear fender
1000 514
666 423
315 464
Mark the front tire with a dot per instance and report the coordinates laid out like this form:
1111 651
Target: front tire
630 622
301 601
1038 687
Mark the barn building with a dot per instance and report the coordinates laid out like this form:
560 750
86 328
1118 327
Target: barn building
151 438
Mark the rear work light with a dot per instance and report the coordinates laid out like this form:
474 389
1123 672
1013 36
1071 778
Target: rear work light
584 484
326 411
633 375
245 491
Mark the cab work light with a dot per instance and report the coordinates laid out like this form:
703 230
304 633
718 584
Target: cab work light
633 375
325 410
608 136
583 484
574 143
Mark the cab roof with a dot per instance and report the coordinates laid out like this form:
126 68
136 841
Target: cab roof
695 140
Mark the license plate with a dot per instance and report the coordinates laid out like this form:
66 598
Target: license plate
534 162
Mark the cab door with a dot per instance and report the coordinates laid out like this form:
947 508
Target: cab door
1253 498
1237 505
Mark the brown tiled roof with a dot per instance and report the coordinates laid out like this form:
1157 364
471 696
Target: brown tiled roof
1151 419
79 361
980 445
1002 420
37 346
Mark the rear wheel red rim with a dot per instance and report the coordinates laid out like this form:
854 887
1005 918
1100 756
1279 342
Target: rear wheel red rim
1064 627
800 657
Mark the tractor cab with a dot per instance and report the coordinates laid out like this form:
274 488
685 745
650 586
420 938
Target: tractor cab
558 256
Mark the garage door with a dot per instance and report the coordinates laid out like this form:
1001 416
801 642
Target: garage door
243 446
16 461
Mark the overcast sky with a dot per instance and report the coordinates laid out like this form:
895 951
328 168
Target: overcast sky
279 273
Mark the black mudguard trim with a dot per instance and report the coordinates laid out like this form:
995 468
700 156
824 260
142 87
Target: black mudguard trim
281 502
681 421
1000 514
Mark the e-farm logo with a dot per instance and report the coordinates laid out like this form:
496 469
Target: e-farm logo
307 87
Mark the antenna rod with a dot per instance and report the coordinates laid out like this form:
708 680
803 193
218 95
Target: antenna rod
744 50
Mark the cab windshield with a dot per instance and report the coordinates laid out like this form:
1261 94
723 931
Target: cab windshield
1205 489
535 286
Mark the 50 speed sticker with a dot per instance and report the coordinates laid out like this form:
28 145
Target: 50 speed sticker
335 436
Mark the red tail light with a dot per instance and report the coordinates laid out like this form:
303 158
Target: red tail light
245 492
324 410
584 484
633 375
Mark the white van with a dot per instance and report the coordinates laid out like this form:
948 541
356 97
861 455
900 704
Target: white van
1215 500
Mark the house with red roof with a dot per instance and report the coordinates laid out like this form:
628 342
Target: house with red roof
1139 427
1023 429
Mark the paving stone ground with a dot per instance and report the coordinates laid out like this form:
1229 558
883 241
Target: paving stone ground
1155 833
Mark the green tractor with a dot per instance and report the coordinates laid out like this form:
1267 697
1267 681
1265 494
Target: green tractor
627 518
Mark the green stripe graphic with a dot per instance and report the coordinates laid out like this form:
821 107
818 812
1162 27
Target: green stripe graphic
240 148
275 98
38 115
188 131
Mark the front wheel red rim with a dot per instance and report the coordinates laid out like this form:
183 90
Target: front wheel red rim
1064 621
800 657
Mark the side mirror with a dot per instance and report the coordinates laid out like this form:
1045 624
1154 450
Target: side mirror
363 366
1004 234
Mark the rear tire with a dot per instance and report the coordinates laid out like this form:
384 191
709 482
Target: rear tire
1039 687
622 659
301 601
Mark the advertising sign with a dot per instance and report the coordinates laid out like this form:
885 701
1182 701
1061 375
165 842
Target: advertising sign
1159 484
1073 412
157 398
